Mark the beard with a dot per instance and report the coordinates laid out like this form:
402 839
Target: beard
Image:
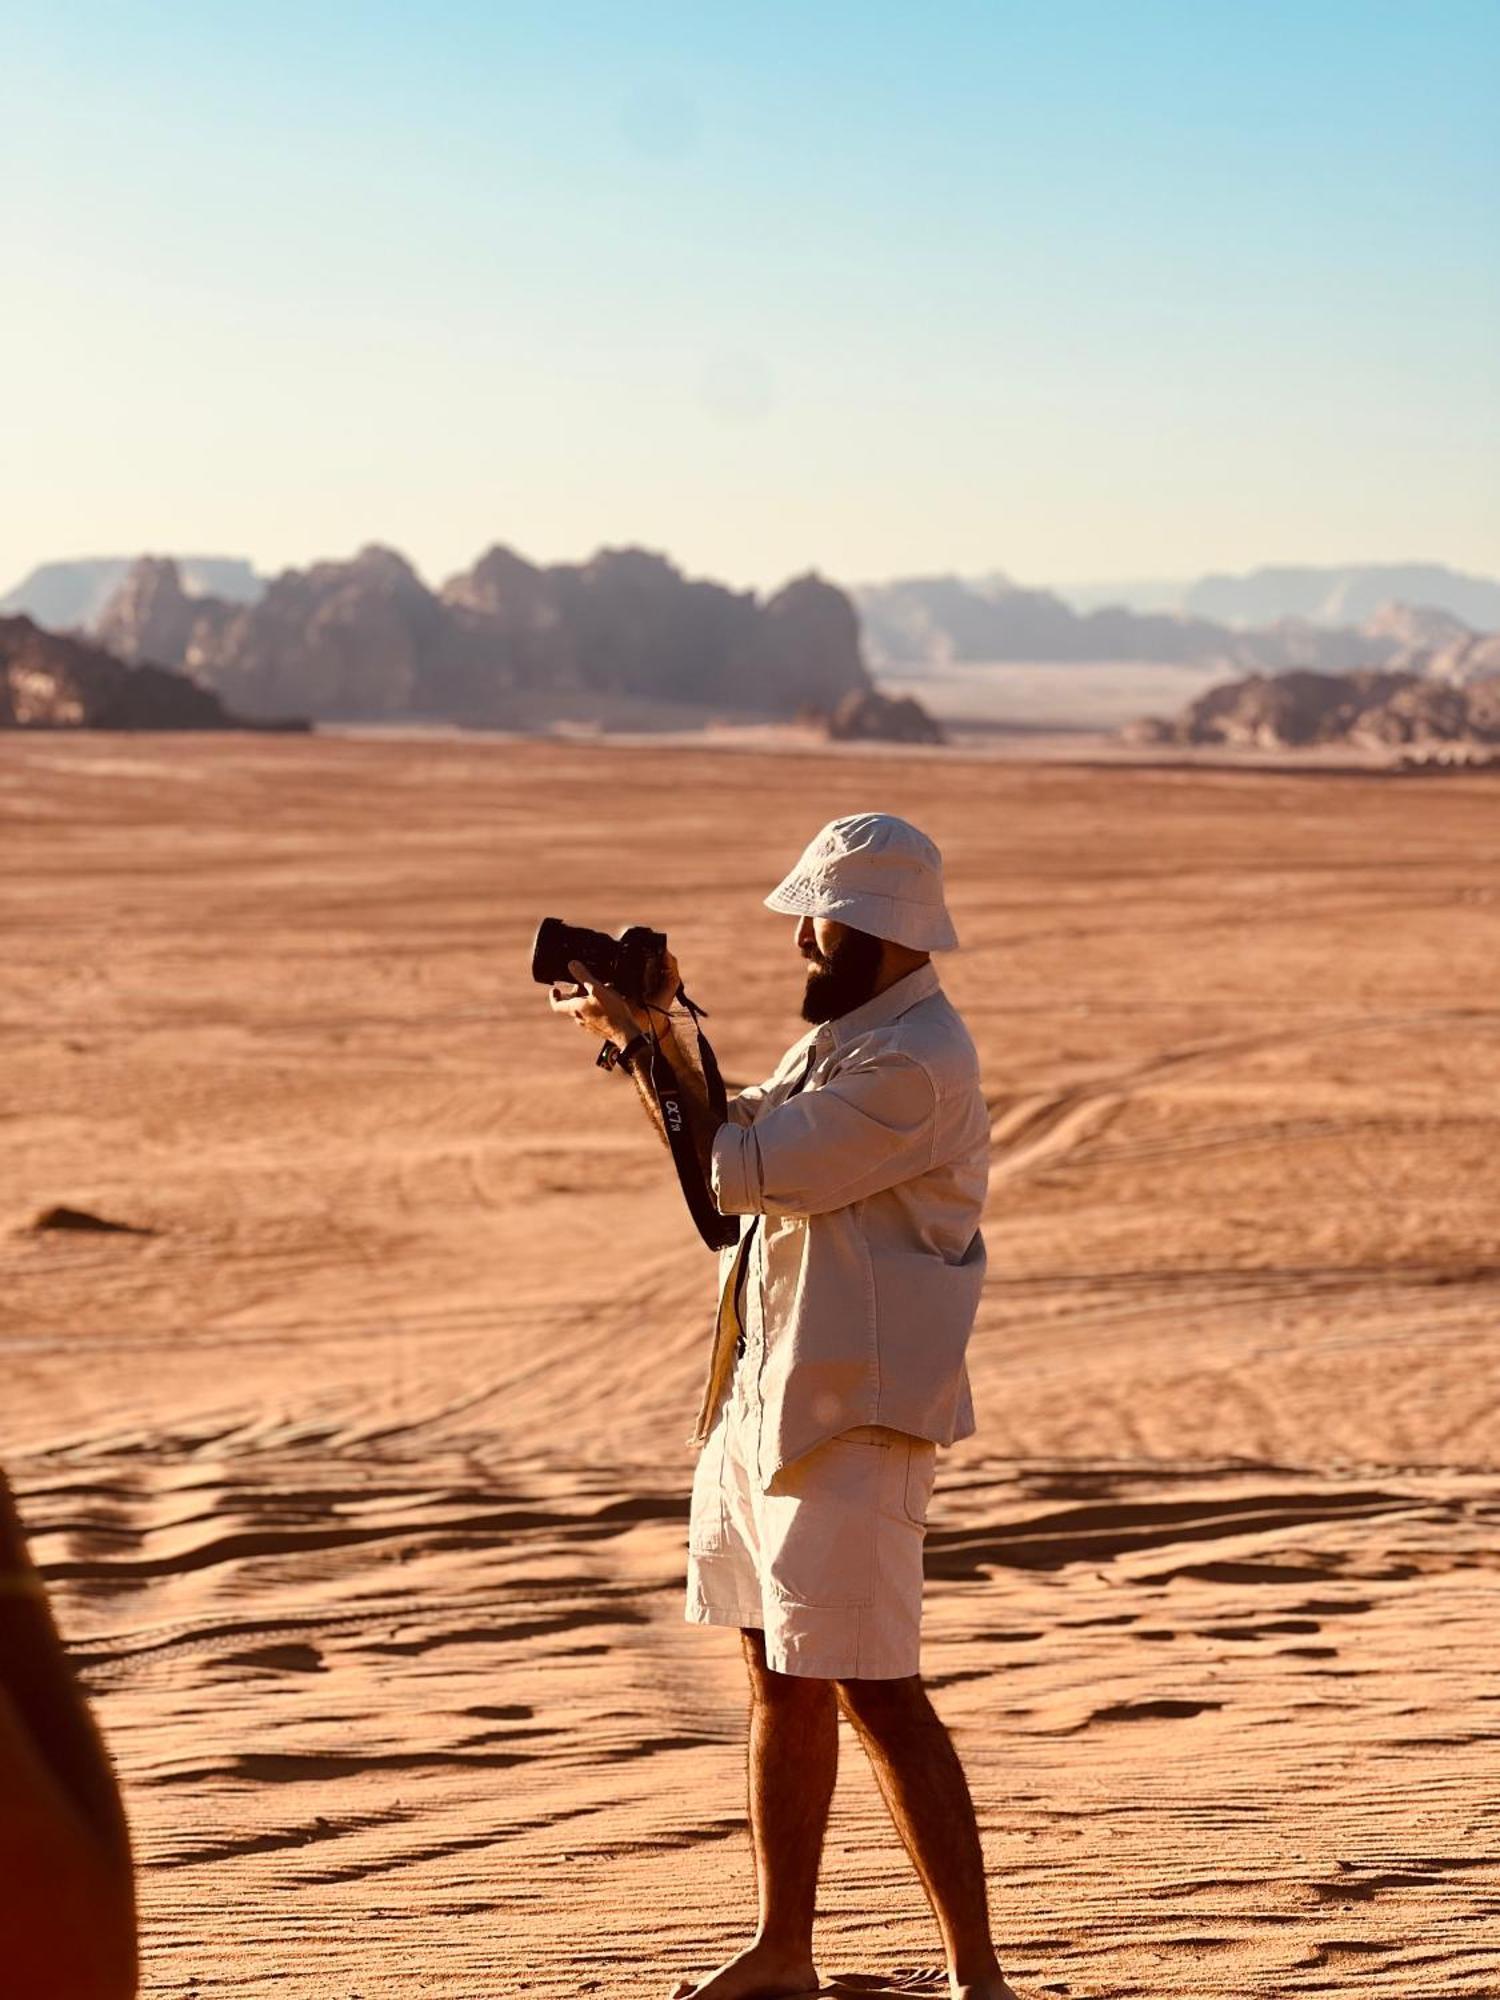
845 980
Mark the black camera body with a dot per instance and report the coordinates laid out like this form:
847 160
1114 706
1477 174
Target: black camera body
633 963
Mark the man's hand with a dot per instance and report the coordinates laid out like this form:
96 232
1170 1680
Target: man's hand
600 1010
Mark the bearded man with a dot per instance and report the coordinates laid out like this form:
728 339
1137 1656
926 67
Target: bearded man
860 1167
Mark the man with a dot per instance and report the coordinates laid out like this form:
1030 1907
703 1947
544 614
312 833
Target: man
67 1904
837 1370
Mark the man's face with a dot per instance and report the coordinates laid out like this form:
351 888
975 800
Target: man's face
842 967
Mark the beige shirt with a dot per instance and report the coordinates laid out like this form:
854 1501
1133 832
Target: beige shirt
864 1270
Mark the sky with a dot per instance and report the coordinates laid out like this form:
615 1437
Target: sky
1089 289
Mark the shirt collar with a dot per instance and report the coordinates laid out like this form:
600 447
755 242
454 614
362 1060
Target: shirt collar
885 1007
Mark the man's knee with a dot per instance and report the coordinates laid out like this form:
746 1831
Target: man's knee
774 1690
880 1705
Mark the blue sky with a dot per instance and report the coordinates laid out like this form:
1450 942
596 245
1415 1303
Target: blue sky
1074 290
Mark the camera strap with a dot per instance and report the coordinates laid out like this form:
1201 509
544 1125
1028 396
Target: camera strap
718 1231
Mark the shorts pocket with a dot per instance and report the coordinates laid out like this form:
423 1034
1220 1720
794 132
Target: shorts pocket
921 1471
706 1510
822 1523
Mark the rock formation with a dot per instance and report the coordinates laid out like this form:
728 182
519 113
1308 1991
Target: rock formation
628 623
50 681
151 616
339 639
1300 710
803 650
1469 660
520 605
367 640
873 717
69 596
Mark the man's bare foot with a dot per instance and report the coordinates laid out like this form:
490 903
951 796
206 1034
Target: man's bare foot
984 1989
759 1972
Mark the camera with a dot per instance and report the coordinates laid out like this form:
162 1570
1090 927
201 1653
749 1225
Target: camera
632 963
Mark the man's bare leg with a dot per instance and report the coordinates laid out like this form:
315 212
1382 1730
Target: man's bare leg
793 1761
924 1785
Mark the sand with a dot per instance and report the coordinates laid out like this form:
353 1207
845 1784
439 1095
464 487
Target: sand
360 1470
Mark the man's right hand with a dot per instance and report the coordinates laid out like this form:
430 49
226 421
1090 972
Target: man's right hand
601 1011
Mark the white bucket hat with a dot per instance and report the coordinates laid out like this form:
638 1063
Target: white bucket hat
875 873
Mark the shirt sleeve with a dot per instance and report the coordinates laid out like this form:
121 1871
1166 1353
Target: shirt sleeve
744 1106
867 1128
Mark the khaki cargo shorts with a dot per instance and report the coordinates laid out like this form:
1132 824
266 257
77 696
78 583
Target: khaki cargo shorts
829 1563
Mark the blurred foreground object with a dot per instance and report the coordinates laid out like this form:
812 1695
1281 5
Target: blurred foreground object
67 1901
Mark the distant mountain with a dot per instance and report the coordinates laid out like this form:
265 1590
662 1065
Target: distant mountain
1344 596
367 640
1301 710
1155 593
68 596
938 621
1416 628
51 681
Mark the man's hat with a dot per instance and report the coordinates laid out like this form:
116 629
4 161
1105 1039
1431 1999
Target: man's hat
875 873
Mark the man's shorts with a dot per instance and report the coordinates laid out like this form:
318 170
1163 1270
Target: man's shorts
828 1564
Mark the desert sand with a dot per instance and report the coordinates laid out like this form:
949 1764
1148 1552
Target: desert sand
358 1463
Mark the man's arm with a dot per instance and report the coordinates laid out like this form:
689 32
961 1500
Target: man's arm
871 1126
703 1121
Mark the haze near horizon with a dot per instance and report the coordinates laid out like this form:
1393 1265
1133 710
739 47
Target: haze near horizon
1083 298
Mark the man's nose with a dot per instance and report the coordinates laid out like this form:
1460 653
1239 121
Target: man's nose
804 933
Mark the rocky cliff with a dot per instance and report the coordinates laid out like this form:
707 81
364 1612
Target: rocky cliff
50 681
367 640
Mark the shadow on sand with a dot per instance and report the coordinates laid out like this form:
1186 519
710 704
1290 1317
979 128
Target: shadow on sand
872 1985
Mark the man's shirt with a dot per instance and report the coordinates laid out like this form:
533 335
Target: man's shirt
863 1163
